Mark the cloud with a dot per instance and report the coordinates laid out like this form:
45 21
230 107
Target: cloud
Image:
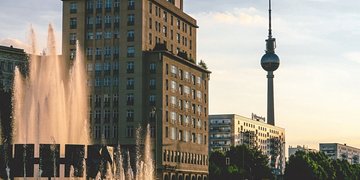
15 43
244 16
353 56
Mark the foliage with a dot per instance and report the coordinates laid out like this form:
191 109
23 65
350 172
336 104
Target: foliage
316 165
245 163
203 64
5 115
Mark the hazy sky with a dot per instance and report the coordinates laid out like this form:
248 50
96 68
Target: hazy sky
317 85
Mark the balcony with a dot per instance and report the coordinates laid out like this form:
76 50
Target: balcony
107 9
98 26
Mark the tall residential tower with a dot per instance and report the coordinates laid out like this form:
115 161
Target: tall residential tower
141 63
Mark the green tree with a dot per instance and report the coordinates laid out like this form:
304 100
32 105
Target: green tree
317 165
243 163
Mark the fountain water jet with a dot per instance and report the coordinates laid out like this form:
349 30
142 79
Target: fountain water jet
52 101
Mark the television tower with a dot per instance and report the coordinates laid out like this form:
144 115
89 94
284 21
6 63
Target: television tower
270 62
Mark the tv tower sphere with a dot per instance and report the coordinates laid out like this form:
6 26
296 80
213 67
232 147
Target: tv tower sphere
270 61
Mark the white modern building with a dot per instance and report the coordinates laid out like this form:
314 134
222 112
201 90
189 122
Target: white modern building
341 151
228 130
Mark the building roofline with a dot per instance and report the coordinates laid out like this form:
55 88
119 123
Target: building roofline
236 115
12 49
177 12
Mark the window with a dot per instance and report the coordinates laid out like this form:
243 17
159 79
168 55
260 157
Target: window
152 67
180 136
131 19
173 100
193 79
107 35
150 38
107 81
73 23
165 31
130 115
108 4
130 51
150 7
173 133
107 19
116 102
150 23
89 5
166 132
130 99
107 51
130 131
90 35
97 132
178 37
152 84
173 117
97 116
131 5
115 132
73 7
130 35
98 4
130 83
165 16
152 100
130 67
90 67
116 3
98 35
72 38
178 23
106 116
193 138
173 86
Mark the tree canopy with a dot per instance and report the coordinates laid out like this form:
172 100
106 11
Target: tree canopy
240 162
316 165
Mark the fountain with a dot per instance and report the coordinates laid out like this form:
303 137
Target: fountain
50 112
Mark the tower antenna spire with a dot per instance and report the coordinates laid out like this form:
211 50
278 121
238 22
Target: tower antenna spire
270 30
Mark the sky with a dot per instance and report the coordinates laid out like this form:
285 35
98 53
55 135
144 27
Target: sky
316 87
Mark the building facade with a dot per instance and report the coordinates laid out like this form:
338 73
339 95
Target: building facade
340 151
228 130
11 57
293 150
142 69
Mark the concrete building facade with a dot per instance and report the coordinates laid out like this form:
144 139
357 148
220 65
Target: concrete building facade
228 130
141 64
340 151
11 57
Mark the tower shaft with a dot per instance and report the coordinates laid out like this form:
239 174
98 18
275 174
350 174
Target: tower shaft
270 100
